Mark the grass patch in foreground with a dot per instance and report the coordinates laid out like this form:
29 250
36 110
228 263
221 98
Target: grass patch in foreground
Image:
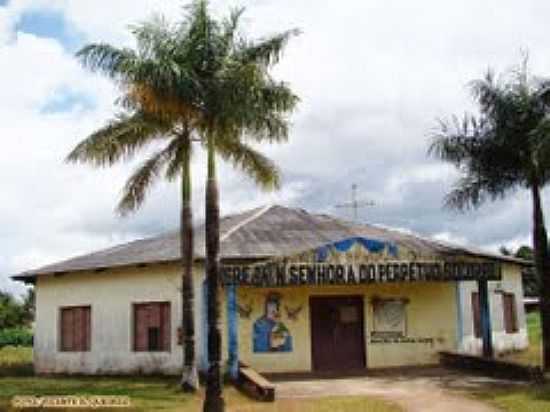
151 393
534 398
163 394
533 354
16 361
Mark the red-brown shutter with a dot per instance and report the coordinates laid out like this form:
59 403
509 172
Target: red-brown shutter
86 329
476 315
515 327
151 315
510 315
75 329
66 329
165 327
140 327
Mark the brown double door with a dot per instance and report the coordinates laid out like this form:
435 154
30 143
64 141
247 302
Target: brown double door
337 339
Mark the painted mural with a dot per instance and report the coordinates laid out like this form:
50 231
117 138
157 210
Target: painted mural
269 333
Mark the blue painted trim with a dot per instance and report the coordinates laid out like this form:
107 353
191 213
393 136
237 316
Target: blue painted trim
372 245
232 332
459 317
485 312
204 327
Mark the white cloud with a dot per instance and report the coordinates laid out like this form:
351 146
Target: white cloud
6 25
372 77
451 238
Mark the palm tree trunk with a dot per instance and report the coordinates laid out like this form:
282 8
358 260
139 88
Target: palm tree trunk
542 265
214 400
189 378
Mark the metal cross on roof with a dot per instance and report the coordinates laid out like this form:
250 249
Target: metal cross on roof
355 204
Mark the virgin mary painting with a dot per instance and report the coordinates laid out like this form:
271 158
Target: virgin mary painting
269 333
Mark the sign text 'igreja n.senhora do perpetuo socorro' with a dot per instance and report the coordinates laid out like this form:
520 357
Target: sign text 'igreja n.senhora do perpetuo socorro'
296 274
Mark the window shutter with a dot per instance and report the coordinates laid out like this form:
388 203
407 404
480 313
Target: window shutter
66 330
152 326
75 329
476 315
78 328
515 327
87 329
165 326
510 315
140 327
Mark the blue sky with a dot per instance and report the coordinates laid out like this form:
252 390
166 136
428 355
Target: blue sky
51 24
372 77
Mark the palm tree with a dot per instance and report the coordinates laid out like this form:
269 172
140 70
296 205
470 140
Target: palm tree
199 81
241 103
505 147
140 74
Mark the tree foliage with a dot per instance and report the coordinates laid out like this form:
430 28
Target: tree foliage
530 278
197 79
15 313
506 146
503 148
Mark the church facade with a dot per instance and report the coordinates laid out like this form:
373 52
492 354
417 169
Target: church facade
301 292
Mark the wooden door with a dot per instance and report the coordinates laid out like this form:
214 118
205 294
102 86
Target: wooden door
337 338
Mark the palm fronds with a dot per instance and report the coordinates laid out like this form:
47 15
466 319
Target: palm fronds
266 51
507 145
143 179
119 140
261 169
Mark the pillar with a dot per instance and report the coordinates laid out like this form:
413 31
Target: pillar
232 331
485 316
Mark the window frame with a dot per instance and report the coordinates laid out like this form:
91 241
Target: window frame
88 342
389 334
476 315
168 323
513 327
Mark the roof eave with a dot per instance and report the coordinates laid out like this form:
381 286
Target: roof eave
30 277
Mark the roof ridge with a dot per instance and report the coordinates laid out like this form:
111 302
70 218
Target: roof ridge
245 222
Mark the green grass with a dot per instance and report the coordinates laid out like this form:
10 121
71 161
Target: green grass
532 398
533 355
152 393
527 399
16 361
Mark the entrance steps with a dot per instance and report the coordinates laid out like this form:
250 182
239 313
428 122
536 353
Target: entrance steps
255 384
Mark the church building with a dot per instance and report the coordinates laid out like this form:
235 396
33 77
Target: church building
301 292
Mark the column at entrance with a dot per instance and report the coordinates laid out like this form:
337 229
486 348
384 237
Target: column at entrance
485 317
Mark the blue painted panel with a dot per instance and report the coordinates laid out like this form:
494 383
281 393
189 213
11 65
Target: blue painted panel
322 254
232 332
372 245
485 315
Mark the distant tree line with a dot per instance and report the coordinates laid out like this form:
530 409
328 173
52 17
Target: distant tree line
531 281
16 317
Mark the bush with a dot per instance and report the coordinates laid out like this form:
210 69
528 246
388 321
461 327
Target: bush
15 337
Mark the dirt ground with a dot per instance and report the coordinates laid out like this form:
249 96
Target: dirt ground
432 390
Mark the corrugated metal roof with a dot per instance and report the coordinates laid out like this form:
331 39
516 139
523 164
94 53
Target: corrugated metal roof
258 233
